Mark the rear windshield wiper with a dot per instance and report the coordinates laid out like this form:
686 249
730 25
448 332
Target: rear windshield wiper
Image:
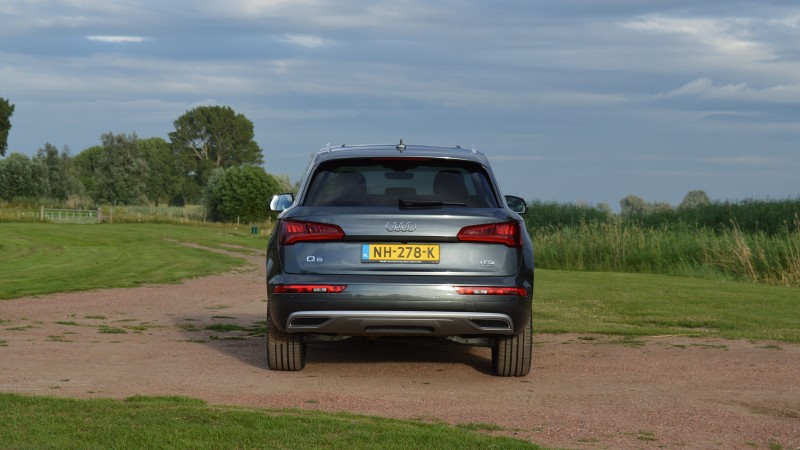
427 203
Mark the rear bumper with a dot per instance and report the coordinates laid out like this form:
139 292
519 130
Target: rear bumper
399 305
365 323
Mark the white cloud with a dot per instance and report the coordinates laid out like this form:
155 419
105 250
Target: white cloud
330 15
261 8
116 39
306 40
722 34
117 75
706 89
696 87
96 5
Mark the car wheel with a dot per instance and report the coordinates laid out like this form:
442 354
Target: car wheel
285 351
511 355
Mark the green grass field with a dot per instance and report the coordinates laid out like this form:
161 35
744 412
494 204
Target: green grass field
181 423
39 258
655 305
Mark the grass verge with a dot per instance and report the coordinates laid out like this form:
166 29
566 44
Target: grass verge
178 422
45 258
652 305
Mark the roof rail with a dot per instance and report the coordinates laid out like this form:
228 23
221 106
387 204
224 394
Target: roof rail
400 147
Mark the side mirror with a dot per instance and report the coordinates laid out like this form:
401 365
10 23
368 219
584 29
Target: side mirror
281 202
516 204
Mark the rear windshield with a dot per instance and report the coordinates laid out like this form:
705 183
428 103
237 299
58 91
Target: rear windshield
392 182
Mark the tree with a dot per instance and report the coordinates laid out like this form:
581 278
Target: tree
285 184
48 155
240 192
659 207
694 199
6 111
632 205
213 137
605 208
61 173
86 164
21 176
163 183
121 174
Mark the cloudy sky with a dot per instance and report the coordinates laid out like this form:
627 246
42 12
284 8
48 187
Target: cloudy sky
572 100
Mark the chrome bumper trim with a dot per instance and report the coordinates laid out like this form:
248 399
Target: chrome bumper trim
399 323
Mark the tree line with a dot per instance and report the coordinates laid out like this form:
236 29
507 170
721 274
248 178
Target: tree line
211 157
697 211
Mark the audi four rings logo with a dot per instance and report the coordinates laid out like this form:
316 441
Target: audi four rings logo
401 226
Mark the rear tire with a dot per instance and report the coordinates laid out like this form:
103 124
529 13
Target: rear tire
285 351
511 355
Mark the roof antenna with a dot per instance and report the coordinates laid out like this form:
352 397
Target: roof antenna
401 147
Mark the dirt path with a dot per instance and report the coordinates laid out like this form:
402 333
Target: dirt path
197 339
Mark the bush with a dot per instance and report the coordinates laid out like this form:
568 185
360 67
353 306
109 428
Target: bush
240 193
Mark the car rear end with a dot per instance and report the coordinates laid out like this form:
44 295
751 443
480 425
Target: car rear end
417 242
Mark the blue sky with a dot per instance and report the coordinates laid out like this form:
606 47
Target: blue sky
572 100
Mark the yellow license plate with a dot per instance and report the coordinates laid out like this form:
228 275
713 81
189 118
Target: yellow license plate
403 253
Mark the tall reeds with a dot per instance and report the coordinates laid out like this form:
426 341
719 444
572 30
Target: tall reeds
758 257
622 246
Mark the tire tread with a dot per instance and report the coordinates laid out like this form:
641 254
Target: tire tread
285 351
511 355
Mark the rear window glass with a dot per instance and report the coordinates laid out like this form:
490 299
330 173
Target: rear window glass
388 182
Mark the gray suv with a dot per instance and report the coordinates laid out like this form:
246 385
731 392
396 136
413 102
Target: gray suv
400 240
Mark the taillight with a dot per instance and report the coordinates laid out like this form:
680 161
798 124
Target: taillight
309 288
491 290
295 231
507 233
